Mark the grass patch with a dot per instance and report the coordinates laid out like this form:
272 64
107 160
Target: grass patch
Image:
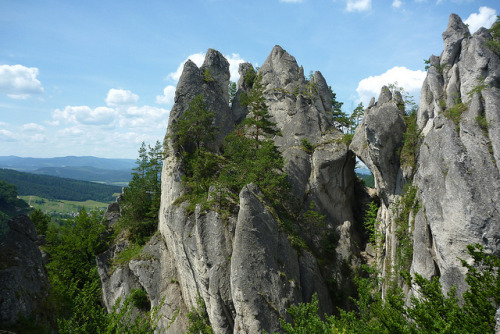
307 146
133 251
455 113
63 207
347 138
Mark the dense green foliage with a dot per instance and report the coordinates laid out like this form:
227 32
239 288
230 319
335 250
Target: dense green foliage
194 127
141 199
258 119
52 187
232 89
40 220
405 210
411 141
370 222
75 297
431 312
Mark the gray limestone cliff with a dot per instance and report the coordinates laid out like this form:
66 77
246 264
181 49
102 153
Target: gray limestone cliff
458 166
456 176
244 266
152 271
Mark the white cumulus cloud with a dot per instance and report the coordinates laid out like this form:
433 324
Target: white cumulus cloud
292 1
117 97
410 80
234 63
358 5
7 136
85 115
397 3
144 117
18 81
485 18
167 97
32 127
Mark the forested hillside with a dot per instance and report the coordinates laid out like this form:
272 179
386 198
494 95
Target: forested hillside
87 173
52 187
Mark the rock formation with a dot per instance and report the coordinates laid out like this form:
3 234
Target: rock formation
152 272
457 172
246 267
24 287
458 166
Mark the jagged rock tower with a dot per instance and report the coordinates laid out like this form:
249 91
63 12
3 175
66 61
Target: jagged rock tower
456 175
245 268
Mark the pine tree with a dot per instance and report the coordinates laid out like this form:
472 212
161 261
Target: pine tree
259 116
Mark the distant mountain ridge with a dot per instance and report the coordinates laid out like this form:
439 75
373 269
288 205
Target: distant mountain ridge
32 164
87 173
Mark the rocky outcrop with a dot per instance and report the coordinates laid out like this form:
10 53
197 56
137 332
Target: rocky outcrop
377 140
457 176
152 271
24 286
244 266
458 173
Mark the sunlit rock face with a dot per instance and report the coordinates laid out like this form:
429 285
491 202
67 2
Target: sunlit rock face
244 266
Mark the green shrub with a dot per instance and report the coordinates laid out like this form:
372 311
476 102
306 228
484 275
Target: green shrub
199 323
432 312
411 142
347 138
370 222
207 77
455 113
307 146
140 299
494 43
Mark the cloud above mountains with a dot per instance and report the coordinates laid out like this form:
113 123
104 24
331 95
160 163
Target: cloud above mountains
485 18
408 79
19 82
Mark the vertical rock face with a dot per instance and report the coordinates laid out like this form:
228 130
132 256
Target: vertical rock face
377 139
377 142
152 272
457 170
24 287
458 166
244 266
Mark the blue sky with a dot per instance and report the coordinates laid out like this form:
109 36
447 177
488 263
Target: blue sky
98 77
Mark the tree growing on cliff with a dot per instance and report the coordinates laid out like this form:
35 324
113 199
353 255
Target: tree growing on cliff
195 126
339 118
141 198
259 119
